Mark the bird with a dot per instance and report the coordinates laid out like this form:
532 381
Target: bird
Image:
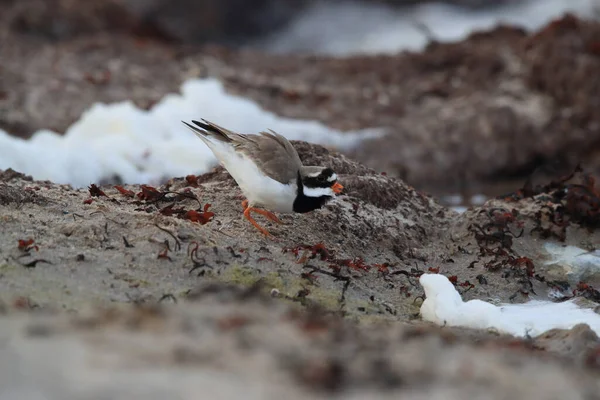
268 170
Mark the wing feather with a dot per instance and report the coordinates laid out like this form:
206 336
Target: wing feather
272 152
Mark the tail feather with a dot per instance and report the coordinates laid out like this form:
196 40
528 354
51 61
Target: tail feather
198 132
209 129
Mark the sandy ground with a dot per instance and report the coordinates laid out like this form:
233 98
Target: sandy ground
96 251
122 286
227 343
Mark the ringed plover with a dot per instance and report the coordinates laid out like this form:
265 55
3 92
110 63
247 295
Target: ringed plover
269 172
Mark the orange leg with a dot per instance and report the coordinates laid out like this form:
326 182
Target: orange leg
268 214
253 222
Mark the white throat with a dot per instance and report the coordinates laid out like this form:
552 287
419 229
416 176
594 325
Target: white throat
318 192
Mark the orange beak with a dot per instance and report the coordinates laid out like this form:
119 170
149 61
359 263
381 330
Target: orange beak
337 188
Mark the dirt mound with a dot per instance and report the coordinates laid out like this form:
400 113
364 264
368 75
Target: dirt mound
191 229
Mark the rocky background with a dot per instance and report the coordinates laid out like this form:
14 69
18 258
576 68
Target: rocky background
231 22
142 292
524 104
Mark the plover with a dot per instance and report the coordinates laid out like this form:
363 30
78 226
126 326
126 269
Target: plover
269 172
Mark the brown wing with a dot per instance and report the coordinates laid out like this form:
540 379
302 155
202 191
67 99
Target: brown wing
273 153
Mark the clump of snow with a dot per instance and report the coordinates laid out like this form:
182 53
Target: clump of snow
347 28
138 146
444 306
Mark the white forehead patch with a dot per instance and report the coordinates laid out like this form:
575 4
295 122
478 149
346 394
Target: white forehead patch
318 192
332 178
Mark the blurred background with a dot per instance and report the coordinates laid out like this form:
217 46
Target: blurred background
475 96
314 26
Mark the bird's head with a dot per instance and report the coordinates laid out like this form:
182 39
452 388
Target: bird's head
319 181
316 186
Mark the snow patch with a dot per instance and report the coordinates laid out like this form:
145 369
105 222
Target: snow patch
444 306
138 146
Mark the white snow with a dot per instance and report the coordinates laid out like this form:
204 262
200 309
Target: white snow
348 28
444 306
146 146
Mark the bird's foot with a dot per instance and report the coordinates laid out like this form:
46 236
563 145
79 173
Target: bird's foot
267 214
271 216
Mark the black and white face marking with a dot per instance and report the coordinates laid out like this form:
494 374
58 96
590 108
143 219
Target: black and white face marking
319 183
314 190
